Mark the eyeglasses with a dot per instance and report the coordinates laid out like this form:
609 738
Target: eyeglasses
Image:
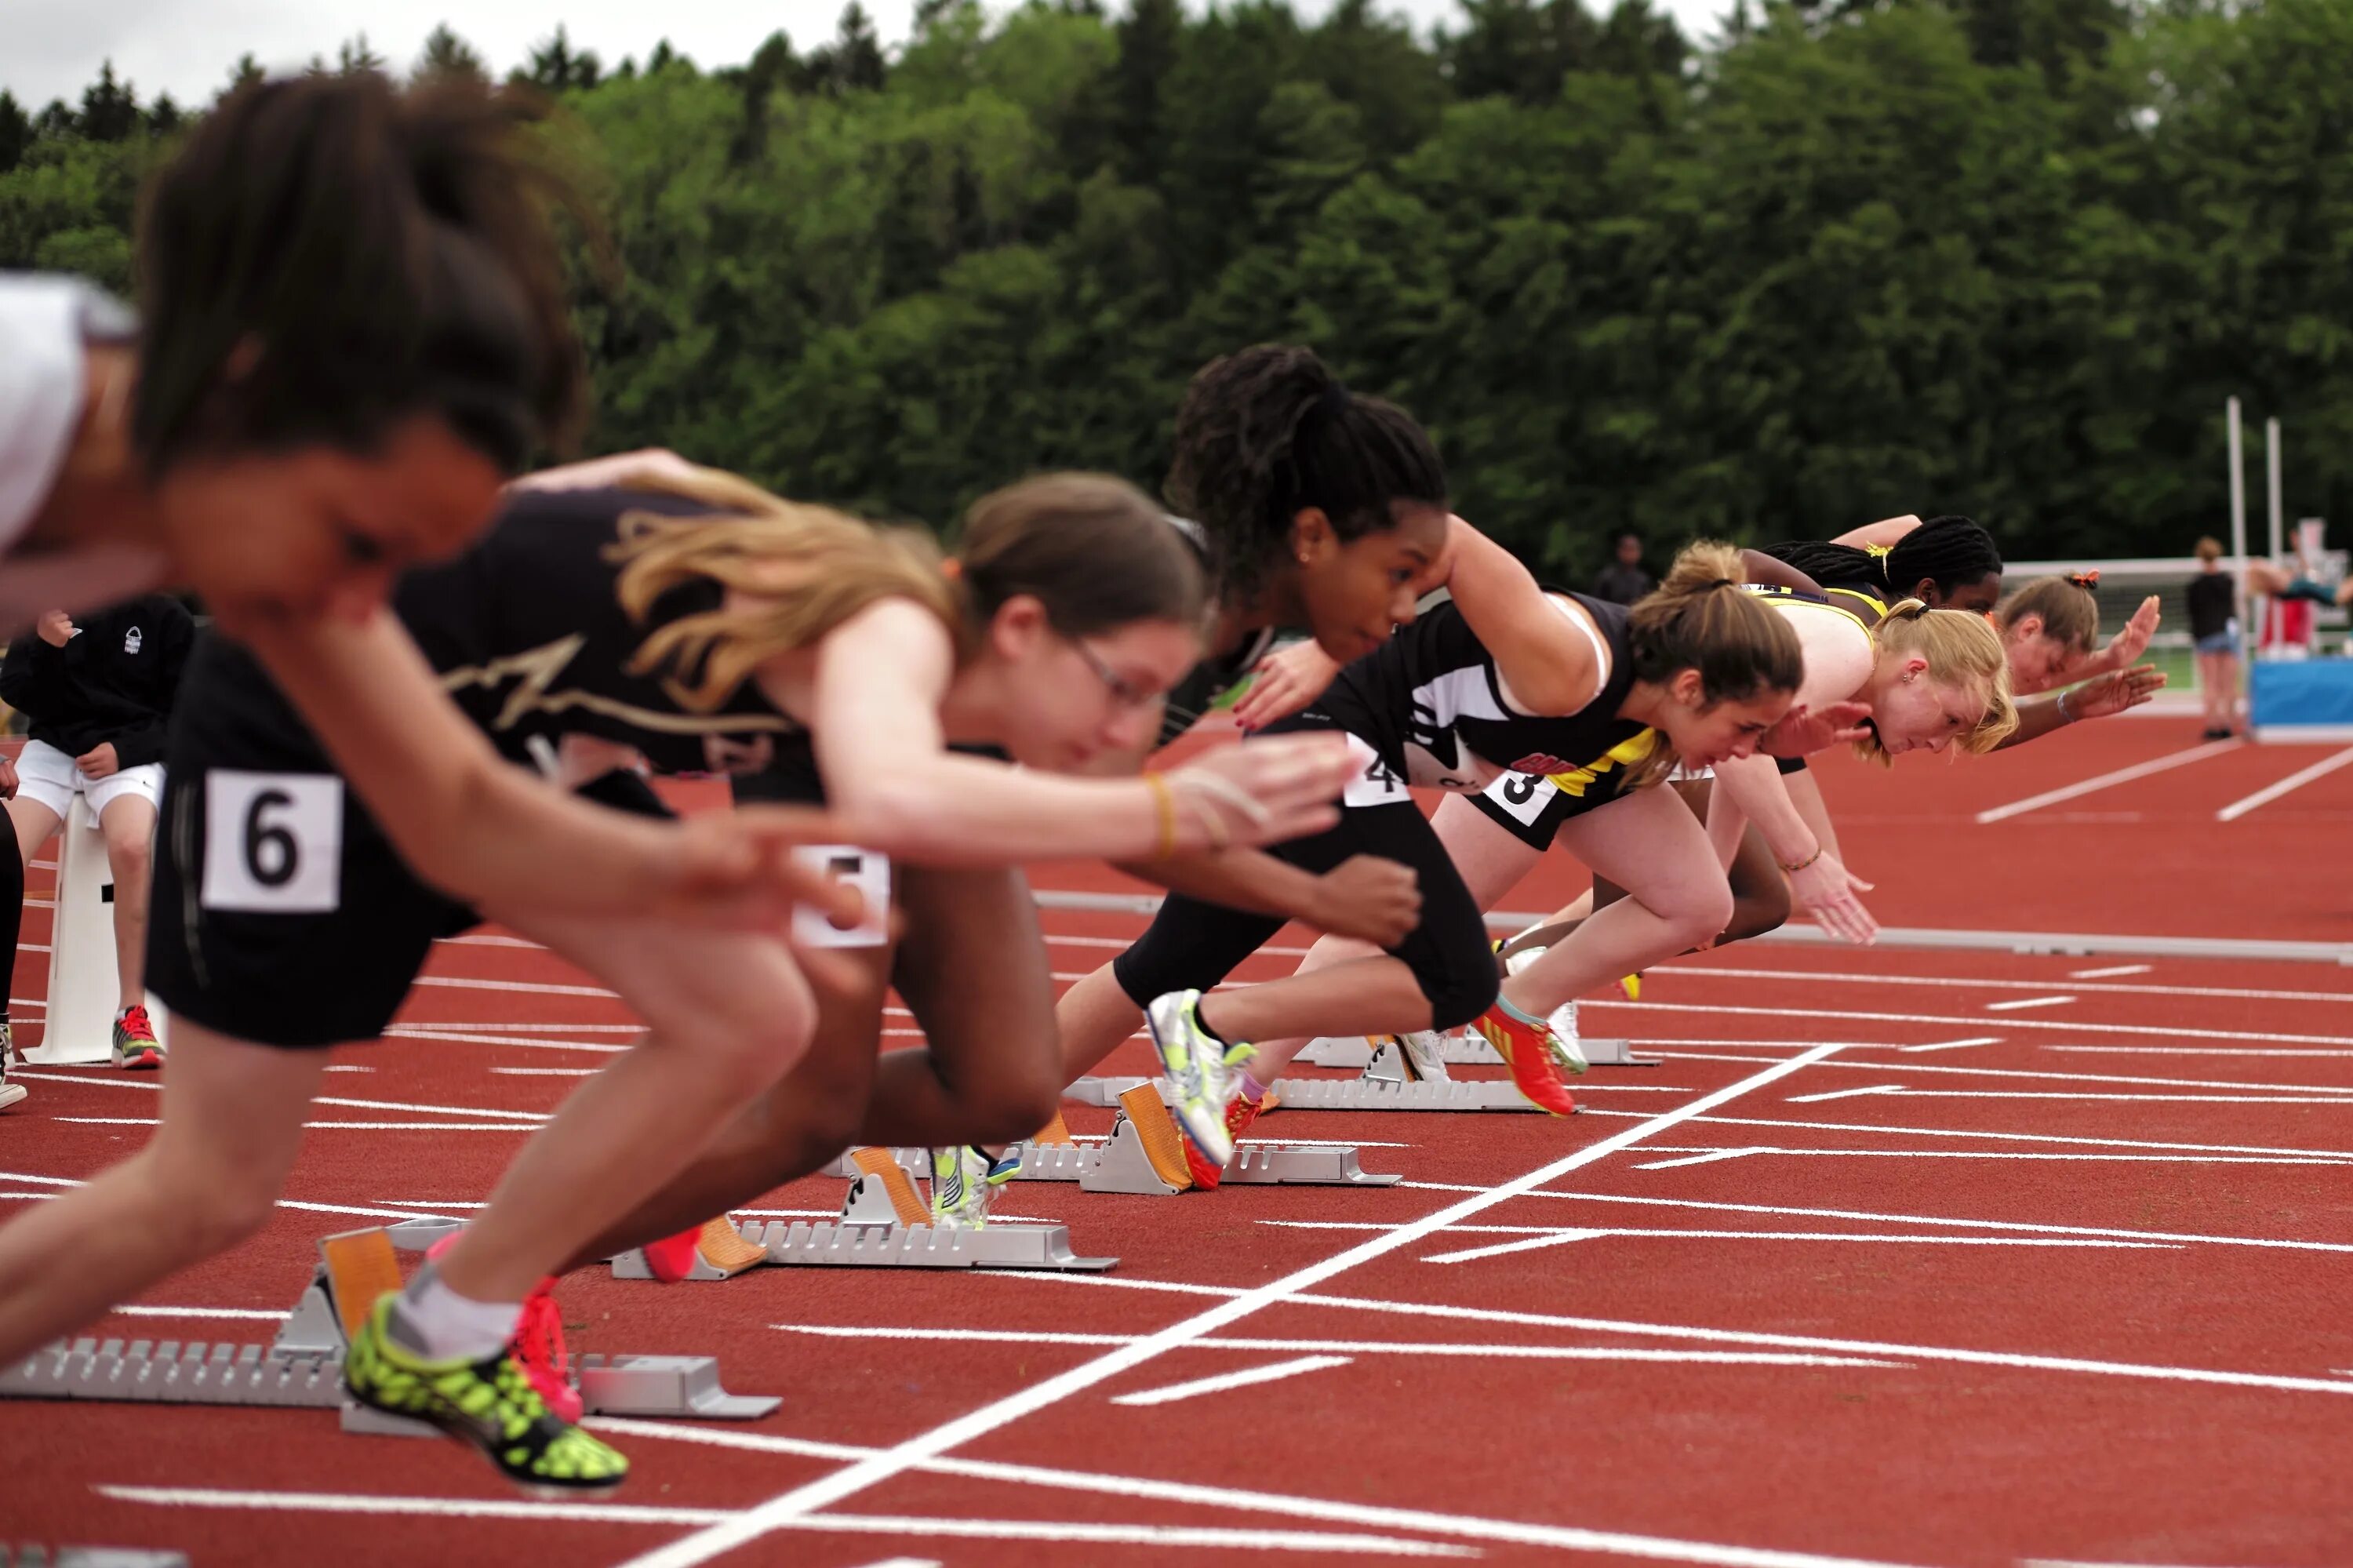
1124 691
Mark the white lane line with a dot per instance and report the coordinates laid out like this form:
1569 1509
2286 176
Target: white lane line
2194 1237
1165 1535
522 1028
1951 1045
1950 982
155 1087
798 1503
2293 782
1901 1092
2022 1003
1329 1347
2175 1051
521 1042
908 1563
1899 1352
2057 1077
282 1202
1152 1489
1559 1235
2114 971
2169 1031
255 1314
1199 1386
527 988
2154 1144
308 1126
1711 1156
2107 780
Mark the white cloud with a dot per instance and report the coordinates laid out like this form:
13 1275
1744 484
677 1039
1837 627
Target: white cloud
186 47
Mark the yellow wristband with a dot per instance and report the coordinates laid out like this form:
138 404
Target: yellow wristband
1163 806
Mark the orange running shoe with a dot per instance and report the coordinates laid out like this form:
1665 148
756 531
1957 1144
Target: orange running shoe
1528 1054
538 1345
1240 1114
672 1258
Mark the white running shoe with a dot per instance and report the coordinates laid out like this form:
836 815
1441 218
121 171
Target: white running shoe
1425 1053
964 1180
1560 1033
9 1093
1202 1073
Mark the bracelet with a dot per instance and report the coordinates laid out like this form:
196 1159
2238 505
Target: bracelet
2065 717
1164 809
1802 866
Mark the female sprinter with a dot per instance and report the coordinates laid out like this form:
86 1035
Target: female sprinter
286 923
354 324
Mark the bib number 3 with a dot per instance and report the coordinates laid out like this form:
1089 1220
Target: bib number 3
273 842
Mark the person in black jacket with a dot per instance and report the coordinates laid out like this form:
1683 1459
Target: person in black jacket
99 695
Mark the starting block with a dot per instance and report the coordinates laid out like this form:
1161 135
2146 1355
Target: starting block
302 1368
89 1557
1387 1086
1356 1050
884 1224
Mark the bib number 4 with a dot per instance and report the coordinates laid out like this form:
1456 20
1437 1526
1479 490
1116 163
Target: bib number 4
273 842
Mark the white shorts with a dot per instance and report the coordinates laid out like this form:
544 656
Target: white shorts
49 776
1682 775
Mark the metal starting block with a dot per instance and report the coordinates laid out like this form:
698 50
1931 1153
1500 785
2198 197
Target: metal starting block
1385 1087
1119 1165
1356 1051
89 1557
302 1368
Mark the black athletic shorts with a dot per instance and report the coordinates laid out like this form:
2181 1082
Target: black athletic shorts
1193 944
1532 807
282 914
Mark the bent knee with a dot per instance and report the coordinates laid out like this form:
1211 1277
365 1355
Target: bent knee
1463 993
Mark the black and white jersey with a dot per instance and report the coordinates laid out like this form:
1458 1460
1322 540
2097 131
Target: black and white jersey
527 632
1434 708
1208 684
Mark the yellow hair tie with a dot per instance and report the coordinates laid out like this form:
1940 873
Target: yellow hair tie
1877 549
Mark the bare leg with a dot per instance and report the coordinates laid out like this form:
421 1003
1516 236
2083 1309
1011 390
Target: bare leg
232 1122
728 1014
1093 1018
129 824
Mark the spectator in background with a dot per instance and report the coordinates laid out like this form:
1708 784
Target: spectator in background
2214 631
1624 580
99 697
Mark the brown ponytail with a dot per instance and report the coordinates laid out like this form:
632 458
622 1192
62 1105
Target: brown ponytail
2070 611
1700 619
327 256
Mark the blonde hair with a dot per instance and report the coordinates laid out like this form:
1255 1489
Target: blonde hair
843 565
2070 611
1699 619
1962 648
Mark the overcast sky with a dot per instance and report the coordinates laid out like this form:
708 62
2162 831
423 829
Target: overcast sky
54 47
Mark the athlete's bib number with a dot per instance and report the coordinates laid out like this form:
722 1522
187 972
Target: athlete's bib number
1523 795
273 842
861 869
1379 783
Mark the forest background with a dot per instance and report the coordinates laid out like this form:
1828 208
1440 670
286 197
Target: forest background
2000 256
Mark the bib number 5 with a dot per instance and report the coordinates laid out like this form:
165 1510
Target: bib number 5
273 842
861 869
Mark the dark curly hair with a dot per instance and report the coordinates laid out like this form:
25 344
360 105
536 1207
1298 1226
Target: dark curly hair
1951 551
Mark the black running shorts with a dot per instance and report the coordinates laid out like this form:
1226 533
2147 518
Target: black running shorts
282 914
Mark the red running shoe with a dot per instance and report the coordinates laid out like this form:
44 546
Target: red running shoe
1529 1055
1240 1114
136 1046
672 1258
538 1345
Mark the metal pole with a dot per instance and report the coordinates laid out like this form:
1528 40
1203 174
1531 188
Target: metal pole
2239 544
2272 463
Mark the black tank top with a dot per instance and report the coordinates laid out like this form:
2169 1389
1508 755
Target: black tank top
1434 705
528 634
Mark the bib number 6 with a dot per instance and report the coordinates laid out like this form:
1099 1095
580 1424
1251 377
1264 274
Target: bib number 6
273 842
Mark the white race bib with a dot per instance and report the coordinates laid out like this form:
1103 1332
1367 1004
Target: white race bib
1523 795
862 869
273 842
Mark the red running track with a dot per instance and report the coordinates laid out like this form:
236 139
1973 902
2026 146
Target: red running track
2072 1295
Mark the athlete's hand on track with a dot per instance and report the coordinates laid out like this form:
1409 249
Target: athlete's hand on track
1267 792
1827 890
1369 898
736 869
1803 732
1286 682
2112 694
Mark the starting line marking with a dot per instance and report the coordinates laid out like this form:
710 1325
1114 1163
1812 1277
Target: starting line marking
2288 1089
1199 1386
2106 780
2293 782
2024 1002
801 1501
2069 1028
1709 1156
2112 971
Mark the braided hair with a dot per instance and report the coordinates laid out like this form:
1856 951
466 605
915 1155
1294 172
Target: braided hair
1951 552
1269 431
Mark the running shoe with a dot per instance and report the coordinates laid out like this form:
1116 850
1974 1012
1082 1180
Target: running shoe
1202 1072
672 1258
1630 986
1240 1112
538 1343
135 1045
489 1403
1526 1050
965 1181
9 1093
1567 1046
1425 1053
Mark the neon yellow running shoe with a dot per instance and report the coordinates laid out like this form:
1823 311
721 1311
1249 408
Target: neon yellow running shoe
490 1404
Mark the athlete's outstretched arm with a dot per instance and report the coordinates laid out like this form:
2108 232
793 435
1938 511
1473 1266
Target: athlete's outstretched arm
2103 698
485 831
879 679
1548 661
1883 533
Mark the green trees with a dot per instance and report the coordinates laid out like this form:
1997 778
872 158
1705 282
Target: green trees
1846 260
